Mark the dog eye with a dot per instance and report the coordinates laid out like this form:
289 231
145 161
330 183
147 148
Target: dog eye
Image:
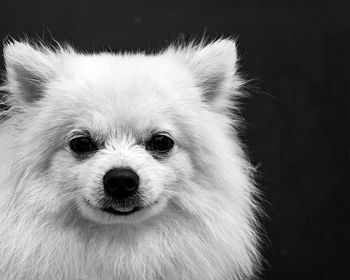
82 145
160 143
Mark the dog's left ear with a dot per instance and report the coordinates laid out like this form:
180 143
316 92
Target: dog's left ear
28 69
214 66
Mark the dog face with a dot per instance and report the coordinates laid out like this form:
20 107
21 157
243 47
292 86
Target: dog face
124 153
121 138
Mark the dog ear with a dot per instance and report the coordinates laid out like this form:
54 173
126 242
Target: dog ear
214 66
28 69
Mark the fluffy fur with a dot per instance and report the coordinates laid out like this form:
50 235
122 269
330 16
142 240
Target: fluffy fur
200 222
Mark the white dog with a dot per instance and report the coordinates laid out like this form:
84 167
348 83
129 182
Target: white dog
124 166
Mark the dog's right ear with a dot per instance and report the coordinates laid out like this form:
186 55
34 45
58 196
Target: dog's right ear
28 69
214 69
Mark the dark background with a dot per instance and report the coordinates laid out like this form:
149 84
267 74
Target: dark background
297 55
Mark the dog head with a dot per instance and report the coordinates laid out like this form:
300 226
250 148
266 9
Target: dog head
120 137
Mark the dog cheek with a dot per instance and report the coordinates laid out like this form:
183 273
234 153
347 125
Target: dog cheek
70 174
182 170
88 180
60 167
168 176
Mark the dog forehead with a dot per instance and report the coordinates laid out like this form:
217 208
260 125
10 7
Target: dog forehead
126 78
118 70
134 91
119 90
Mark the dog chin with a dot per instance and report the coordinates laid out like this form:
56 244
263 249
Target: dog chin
115 216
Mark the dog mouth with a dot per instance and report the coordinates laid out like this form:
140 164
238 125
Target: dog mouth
108 212
120 210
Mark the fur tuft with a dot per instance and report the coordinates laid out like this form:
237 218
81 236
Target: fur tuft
29 67
214 65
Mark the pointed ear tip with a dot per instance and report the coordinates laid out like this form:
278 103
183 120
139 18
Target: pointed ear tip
14 48
226 41
13 43
222 50
225 44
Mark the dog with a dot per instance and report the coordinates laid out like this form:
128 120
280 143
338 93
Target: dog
125 165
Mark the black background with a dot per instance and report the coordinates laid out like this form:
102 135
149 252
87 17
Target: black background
297 55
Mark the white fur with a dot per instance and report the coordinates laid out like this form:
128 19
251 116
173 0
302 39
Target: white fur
200 222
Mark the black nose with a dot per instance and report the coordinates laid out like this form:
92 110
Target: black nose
120 183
